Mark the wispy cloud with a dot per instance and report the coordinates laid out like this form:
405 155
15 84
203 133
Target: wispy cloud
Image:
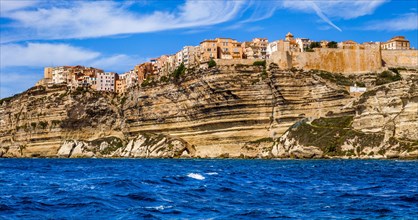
14 81
41 20
405 22
336 9
21 65
47 54
323 16
10 6
106 18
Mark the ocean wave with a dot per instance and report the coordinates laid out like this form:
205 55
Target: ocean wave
212 173
196 176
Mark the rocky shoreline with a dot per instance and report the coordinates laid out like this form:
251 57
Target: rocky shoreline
235 111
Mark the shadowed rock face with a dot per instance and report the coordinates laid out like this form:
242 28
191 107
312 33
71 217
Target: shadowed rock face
229 111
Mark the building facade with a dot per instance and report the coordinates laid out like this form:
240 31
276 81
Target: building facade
255 49
208 50
105 81
228 48
60 74
396 43
303 44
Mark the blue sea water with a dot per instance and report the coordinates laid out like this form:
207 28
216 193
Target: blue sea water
202 189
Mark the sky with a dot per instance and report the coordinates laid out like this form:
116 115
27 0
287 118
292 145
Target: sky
117 35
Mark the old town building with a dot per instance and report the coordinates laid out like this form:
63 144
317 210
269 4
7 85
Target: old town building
105 81
208 50
255 49
396 43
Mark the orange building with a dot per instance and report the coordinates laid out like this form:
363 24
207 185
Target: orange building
228 48
48 72
208 50
143 70
120 85
220 48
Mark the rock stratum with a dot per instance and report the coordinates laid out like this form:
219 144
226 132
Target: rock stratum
238 111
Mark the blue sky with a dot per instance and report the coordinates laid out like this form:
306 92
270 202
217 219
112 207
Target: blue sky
116 35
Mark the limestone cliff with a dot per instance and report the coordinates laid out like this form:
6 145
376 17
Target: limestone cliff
227 111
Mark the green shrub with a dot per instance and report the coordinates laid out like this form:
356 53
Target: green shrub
33 124
43 124
332 44
360 84
123 100
387 77
315 45
260 63
181 70
164 79
55 122
211 63
336 78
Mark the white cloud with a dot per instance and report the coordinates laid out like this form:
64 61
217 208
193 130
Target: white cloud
323 16
47 54
43 54
9 6
16 81
81 19
338 9
117 63
405 22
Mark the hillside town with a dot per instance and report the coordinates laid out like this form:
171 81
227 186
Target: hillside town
200 56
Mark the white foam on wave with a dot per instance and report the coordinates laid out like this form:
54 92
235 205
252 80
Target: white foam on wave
212 173
196 176
160 207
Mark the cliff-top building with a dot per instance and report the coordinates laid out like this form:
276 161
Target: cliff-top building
255 49
396 43
208 50
105 81
228 48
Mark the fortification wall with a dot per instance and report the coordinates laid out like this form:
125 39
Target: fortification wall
281 58
349 61
358 59
400 58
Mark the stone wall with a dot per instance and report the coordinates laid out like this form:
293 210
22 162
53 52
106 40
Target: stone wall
282 58
358 59
348 61
400 58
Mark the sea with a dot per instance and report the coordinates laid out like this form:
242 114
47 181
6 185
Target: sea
207 189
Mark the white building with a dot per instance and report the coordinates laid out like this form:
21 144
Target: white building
303 43
271 47
60 74
105 81
131 78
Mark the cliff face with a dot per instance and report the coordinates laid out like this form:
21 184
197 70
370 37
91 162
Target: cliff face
229 111
385 125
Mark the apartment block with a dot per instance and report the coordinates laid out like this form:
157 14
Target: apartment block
255 49
228 48
208 50
105 81
60 74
